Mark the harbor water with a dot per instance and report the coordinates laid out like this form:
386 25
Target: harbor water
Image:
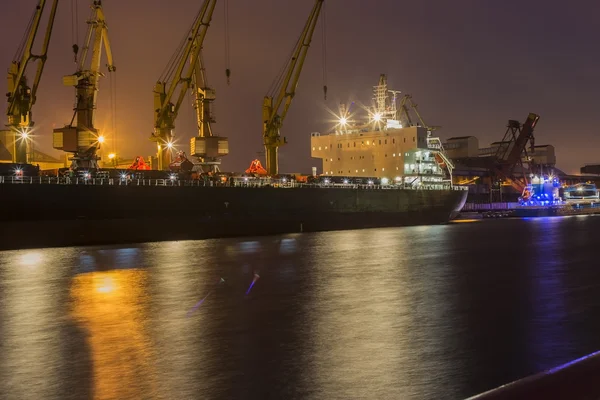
444 311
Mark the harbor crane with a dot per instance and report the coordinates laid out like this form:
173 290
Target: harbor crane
205 146
83 140
21 96
277 104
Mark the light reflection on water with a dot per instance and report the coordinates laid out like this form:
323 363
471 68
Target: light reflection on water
410 313
112 307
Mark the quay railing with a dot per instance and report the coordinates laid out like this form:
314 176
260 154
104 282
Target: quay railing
489 206
575 380
170 182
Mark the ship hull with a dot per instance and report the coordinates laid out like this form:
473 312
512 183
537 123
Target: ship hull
74 215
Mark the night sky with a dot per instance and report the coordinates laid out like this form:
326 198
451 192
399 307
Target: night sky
470 65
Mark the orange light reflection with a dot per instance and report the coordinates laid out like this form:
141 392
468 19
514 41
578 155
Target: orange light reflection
113 307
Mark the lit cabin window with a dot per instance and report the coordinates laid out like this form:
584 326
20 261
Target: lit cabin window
367 142
313 149
319 148
383 169
363 170
394 155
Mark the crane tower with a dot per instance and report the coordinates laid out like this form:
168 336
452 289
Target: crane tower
82 139
178 78
22 96
282 95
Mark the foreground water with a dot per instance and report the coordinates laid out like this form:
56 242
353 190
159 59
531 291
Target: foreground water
408 313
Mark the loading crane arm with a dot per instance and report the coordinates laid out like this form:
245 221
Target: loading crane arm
505 168
276 106
83 139
178 78
21 96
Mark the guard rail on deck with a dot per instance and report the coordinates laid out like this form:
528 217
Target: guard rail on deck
51 180
575 380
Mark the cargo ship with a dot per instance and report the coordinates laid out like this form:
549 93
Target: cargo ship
41 211
386 175
545 197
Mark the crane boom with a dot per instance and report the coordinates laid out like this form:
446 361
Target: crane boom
83 139
166 108
22 97
272 116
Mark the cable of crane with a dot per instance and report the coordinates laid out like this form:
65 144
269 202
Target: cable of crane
113 107
278 81
324 47
227 54
75 28
171 67
21 48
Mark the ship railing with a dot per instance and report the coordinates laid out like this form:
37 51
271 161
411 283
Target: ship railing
53 180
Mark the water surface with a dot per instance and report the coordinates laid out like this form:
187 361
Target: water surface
405 313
